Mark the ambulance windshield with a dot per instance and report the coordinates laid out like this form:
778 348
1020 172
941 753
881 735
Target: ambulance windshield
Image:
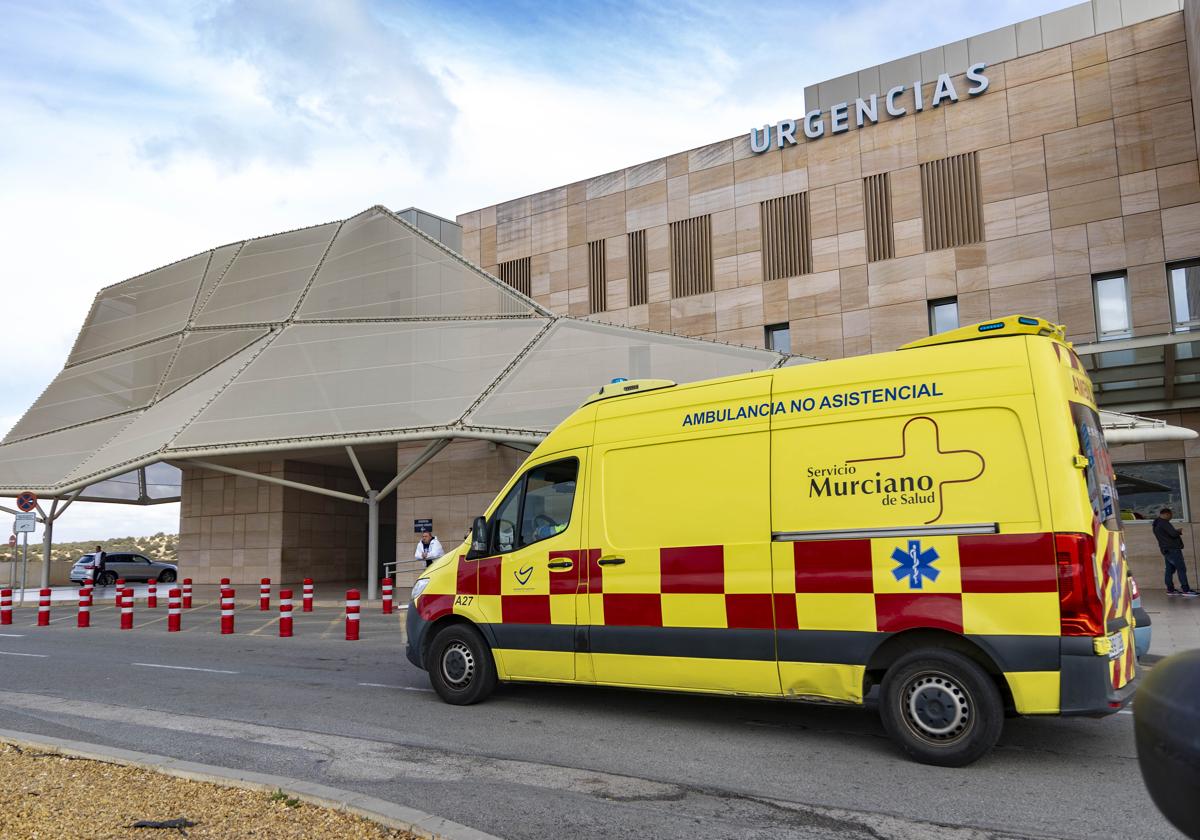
1101 485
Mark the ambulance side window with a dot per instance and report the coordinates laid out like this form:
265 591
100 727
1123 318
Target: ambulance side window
540 502
503 527
549 496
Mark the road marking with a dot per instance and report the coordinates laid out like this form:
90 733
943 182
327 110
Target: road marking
270 623
1125 712
182 668
401 687
13 635
14 653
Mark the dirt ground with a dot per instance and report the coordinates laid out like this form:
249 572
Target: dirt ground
46 795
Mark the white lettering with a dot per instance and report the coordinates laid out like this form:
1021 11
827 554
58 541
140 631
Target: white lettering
918 96
814 126
757 146
892 109
862 109
975 74
839 118
786 131
944 90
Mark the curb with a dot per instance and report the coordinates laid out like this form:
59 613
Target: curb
385 813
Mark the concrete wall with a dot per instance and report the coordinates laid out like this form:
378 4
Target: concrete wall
1191 23
245 529
452 489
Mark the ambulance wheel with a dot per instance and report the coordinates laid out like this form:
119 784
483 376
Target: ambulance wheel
460 665
941 707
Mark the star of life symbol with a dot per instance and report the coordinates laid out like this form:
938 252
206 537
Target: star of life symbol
915 564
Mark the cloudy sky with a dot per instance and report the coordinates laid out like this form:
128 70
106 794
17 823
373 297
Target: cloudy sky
136 133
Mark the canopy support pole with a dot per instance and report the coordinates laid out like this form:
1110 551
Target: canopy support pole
372 545
426 454
283 482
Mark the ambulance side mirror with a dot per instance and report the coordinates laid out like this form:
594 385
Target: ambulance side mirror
479 539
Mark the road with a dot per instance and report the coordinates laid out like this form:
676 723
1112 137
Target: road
546 761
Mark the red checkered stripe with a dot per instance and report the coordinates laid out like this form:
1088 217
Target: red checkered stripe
993 563
682 570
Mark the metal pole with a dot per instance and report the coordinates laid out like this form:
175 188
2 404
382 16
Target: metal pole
24 564
47 537
372 544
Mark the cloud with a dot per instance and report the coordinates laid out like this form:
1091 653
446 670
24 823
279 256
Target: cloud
308 75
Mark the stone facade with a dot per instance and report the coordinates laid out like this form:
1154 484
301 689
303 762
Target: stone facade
244 529
451 489
1087 164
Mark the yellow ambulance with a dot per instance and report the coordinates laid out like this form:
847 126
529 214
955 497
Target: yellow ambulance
939 522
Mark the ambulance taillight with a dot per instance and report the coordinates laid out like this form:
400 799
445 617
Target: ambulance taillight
1080 608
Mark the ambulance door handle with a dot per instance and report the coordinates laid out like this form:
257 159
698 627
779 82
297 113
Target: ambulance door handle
610 560
560 564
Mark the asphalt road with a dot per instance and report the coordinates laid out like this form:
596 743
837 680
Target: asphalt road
545 761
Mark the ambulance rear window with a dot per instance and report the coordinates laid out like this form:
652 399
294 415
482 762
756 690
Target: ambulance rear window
1100 481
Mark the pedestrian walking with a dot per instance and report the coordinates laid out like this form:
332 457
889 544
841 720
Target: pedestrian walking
98 558
428 548
1170 542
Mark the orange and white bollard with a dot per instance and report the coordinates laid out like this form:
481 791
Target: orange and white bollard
226 611
125 599
352 606
43 608
173 612
85 607
5 606
264 595
152 594
187 593
308 595
387 596
285 613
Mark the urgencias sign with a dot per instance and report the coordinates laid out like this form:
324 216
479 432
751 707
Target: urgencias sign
865 111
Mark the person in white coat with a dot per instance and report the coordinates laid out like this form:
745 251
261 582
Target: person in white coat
428 548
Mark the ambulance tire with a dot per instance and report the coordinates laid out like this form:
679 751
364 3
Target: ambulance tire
941 707
461 668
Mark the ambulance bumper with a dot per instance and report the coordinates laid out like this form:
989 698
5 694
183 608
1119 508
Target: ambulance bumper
416 627
1086 682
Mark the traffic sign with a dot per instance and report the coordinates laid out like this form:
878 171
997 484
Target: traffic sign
27 501
26 523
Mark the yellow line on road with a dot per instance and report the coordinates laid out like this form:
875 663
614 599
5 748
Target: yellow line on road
264 627
340 619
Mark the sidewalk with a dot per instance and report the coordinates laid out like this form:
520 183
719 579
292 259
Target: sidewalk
1175 622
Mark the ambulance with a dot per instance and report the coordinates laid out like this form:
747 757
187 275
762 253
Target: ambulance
935 529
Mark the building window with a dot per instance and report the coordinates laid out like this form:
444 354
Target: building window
597 277
779 337
1112 306
950 202
691 257
516 273
1146 487
943 315
1185 294
877 204
638 285
786 241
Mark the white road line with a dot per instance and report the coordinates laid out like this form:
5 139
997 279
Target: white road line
182 668
1125 712
14 653
401 687
13 635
